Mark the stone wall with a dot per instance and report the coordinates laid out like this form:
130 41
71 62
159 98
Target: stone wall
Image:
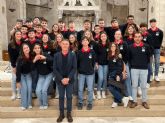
3 27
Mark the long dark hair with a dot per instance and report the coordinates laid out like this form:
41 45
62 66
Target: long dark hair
13 39
100 41
22 55
58 28
55 44
33 53
75 44
49 43
117 52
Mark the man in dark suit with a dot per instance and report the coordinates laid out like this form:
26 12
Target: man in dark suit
64 68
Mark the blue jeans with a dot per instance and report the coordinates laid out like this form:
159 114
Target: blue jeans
42 88
117 94
139 76
156 61
26 90
75 84
13 84
34 75
128 82
89 79
102 77
69 91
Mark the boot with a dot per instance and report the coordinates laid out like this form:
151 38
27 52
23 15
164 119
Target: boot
69 117
60 118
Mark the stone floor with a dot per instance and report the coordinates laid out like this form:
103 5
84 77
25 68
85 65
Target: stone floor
90 120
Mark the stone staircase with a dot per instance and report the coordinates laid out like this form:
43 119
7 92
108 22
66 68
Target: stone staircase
101 108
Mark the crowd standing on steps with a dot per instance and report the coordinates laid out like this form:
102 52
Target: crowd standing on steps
63 62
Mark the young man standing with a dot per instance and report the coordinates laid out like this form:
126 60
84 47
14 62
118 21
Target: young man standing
71 30
130 21
157 35
86 62
101 24
147 39
86 26
64 68
139 58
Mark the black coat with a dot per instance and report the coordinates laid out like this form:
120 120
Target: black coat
71 66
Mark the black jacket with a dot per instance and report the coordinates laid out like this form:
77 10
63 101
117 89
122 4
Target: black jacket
44 67
102 54
111 32
115 66
23 67
86 62
157 37
71 66
124 51
13 54
139 57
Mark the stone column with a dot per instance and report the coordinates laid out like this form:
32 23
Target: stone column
156 10
3 28
60 13
97 16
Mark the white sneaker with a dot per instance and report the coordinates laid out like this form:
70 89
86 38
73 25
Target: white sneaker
151 78
30 107
103 95
23 108
98 95
130 98
114 105
41 107
57 96
157 79
139 91
13 97
45 107
94 96
18 96
125 100
148 85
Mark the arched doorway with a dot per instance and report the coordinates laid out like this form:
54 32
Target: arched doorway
79 10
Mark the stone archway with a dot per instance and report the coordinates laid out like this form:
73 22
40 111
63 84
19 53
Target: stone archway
79 10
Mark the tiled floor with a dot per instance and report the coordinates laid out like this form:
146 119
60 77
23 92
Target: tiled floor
89 120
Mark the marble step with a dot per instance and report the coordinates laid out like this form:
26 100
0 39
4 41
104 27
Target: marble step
98 111
7 83
152 100
160 90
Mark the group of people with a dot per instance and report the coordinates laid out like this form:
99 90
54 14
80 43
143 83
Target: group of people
118 58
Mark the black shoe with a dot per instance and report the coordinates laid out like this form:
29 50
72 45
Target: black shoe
80 106
89 107
60 118
69 117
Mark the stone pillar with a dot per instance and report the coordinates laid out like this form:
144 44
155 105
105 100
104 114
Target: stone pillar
103 8
156 10
97 16
3 28
19 13
60 13
134 9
